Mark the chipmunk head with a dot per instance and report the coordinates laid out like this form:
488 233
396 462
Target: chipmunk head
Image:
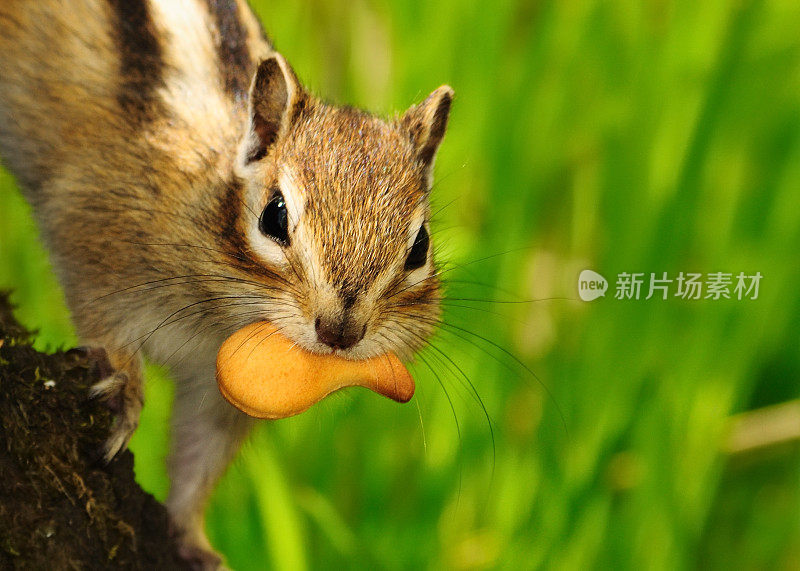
336 212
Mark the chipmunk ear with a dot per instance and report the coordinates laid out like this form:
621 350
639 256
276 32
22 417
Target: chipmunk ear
275 95
426 123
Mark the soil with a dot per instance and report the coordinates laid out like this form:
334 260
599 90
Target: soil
61 505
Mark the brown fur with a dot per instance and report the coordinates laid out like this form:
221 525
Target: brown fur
131 132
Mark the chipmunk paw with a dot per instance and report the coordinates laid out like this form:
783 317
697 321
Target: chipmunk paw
195 549
125 399
201 559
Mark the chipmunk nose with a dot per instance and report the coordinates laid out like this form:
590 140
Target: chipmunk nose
338 333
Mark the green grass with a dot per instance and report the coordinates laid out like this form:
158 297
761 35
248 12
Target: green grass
618 136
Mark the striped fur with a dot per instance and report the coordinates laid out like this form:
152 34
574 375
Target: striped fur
232 49
141 59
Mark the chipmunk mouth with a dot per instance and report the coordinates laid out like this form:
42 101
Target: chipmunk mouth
357 352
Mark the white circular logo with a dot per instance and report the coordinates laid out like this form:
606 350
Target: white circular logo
591 285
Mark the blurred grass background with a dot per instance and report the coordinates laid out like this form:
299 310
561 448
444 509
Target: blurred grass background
618 136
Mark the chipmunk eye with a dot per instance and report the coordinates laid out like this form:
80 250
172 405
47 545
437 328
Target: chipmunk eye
419 251
274 220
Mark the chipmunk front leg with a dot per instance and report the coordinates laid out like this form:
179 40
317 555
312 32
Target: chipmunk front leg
206 434
121 388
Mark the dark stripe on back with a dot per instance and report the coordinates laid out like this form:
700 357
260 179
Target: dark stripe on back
236 67
142 64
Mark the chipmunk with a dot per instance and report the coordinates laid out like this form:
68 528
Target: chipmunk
186 184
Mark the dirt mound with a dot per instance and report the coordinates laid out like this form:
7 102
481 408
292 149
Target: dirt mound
61 506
